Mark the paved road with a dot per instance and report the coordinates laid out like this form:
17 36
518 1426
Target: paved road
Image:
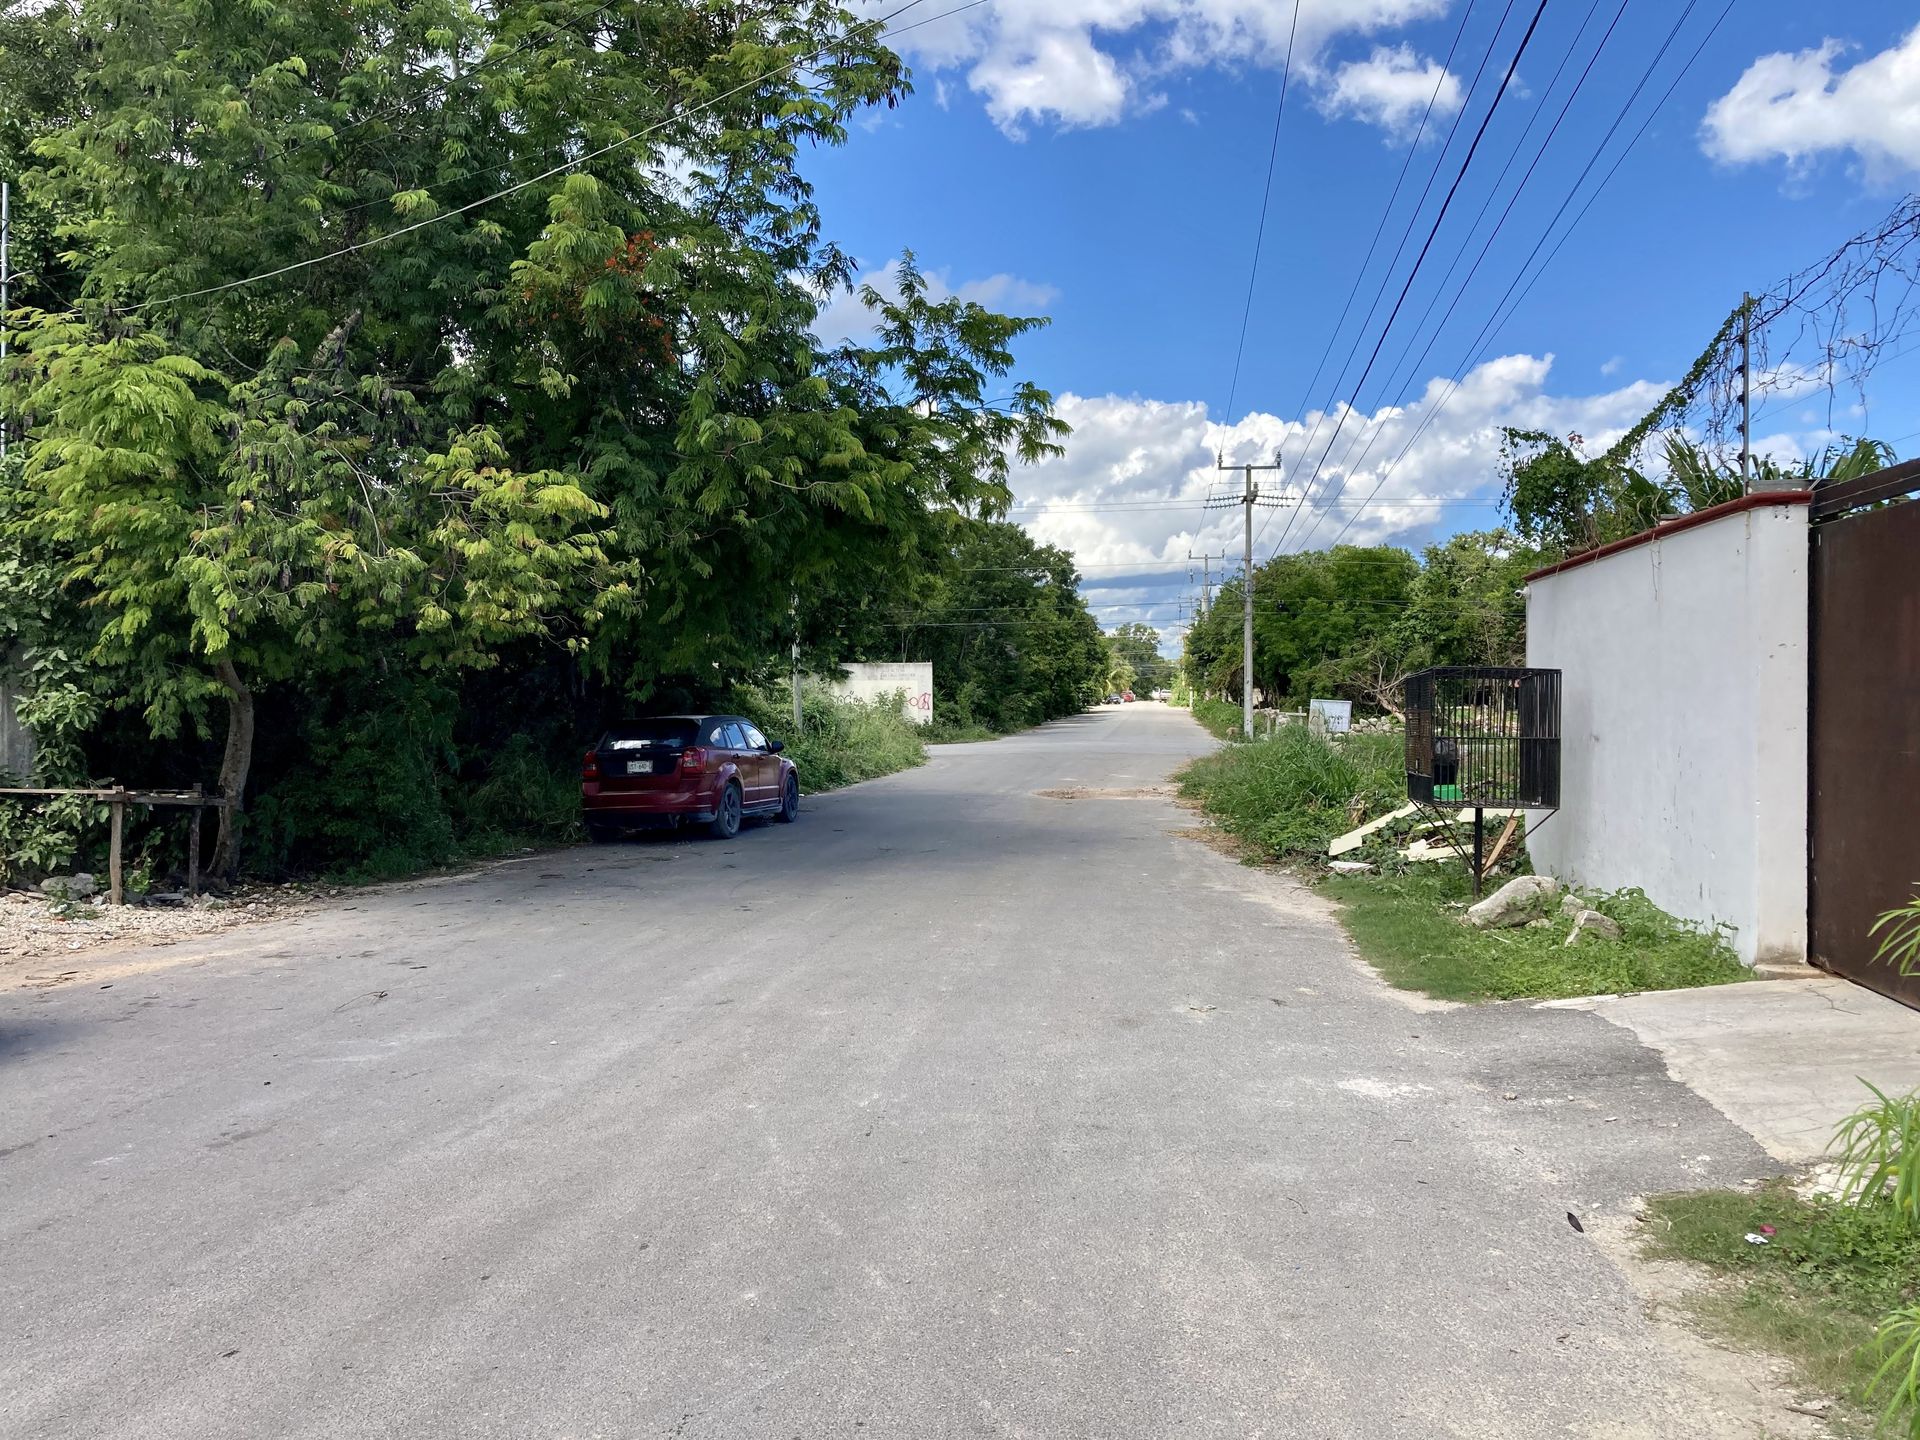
951 1111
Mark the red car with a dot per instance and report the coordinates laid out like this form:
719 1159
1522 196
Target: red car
712 770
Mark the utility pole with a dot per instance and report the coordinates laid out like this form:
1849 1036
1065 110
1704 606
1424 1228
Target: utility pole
796 664
1206 576
1746 392
1249 497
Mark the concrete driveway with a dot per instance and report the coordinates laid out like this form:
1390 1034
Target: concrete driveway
953 1110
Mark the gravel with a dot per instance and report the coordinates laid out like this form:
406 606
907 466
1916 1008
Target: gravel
34 927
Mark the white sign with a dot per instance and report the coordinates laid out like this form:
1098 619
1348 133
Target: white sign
870 682
1331 717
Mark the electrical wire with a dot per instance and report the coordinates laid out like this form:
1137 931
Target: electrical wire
1476 349
1439 219
1353 291
1399 387
1399 249
1260 231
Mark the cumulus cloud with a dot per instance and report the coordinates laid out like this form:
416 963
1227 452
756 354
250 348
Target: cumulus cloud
1391 88
843 316
1798 107
1091 62
1130 496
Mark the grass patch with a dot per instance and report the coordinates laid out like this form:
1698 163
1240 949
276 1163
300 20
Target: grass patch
1814 1292
958 732
1221 717
1408 926
1286 796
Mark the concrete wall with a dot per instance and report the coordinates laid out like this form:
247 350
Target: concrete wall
872 681
1685 724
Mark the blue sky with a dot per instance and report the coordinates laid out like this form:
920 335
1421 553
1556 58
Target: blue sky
1101 162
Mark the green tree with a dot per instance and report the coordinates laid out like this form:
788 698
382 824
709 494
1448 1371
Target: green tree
1135 648
533 362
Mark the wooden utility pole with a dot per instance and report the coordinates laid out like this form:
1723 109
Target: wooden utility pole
1249 497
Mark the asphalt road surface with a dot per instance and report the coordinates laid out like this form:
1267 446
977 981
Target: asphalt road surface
952 1110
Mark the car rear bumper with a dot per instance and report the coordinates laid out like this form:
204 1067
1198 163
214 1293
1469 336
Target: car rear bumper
639 807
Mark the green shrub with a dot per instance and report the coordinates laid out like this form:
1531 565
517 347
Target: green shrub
1289 794
1222 717
527 795
370 800
840 741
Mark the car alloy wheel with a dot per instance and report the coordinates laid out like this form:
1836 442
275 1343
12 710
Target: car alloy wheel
790 800
726 824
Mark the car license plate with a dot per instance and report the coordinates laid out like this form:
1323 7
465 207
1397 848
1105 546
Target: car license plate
639 767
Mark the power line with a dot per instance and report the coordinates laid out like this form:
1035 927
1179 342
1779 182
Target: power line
1406 234
1476 350
1353 291
1486 120
1347 463
1260 231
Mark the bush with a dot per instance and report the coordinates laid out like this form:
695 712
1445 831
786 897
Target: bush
528 795
370 798
1222 717
1289 794
840 741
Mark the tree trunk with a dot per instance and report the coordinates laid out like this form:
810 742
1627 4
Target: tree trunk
234 765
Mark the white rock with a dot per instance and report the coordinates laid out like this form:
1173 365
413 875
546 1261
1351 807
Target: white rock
1596 922
1514 903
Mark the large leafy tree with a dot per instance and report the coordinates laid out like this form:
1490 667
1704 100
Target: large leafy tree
1136 647
406 331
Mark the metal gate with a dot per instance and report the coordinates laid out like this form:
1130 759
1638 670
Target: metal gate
1864 766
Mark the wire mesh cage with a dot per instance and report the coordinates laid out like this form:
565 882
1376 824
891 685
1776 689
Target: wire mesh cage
1486 736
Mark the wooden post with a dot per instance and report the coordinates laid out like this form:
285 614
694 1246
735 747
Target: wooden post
116 892
193 845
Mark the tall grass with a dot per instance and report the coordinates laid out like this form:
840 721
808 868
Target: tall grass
1291 793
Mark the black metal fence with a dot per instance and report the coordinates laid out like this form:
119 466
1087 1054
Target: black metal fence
1486 736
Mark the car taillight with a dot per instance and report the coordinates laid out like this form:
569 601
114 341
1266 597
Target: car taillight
590 767
692 760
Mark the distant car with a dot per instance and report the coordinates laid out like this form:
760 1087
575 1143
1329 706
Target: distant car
672 770
1113 699
1127 697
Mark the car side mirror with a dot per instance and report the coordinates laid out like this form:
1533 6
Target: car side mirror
774 747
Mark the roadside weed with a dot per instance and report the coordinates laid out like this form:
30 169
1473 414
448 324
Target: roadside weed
1898 1378
1900 946
1878 1152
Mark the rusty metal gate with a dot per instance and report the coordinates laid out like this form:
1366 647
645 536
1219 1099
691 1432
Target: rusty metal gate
1864 765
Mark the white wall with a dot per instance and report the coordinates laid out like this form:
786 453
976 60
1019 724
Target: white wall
872 681
1684 731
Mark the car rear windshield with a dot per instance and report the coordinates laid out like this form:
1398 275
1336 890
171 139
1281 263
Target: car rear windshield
642 733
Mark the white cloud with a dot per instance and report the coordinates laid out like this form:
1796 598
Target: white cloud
1391 88
1092 62
1798 107
844 317
1612 366
1138 453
